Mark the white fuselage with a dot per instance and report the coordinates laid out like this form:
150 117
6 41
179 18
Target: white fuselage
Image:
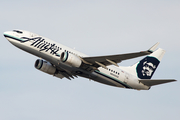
51 51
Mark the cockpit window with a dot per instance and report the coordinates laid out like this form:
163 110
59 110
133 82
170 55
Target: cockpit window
18 31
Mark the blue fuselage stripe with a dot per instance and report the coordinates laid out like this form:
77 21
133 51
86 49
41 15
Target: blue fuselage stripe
123 84
12 37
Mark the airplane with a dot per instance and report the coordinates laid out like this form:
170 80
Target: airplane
63 62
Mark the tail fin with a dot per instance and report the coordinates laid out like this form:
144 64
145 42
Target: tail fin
145 68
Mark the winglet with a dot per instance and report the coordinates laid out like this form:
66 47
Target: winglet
153 47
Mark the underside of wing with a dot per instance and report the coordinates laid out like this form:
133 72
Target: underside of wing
103 61
61 73
153 82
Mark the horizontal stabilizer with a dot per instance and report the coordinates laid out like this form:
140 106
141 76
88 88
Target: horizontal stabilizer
153 82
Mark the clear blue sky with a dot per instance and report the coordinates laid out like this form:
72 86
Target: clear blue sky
94 27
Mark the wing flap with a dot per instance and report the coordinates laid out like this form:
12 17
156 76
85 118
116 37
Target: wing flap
153 82
61 73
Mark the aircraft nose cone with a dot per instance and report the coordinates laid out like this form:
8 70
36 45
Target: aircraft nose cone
6 33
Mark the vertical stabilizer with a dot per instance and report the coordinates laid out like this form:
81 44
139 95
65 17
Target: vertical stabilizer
145 68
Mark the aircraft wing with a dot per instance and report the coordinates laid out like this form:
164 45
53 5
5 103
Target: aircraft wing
152 82
109 60
103 61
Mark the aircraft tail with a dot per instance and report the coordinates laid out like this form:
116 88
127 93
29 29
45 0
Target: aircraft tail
145 68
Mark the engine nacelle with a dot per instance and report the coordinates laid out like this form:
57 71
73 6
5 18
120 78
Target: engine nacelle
71 59
44 66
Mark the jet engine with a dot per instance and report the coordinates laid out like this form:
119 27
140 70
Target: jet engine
44 66
71 59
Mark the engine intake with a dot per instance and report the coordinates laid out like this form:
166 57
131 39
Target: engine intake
44 66
71 59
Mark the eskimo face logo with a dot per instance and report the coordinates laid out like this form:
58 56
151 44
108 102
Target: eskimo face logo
146 67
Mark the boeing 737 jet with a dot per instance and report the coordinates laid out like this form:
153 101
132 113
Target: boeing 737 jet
64 62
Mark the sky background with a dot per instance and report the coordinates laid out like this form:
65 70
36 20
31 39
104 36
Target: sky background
94 27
